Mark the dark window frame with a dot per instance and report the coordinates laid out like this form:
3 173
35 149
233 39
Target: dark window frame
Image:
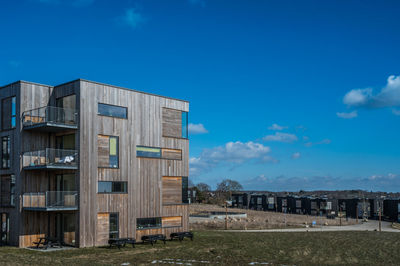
114 232
112 186
6 152
158 223
7 202
160 153
13 113
112 105
109 161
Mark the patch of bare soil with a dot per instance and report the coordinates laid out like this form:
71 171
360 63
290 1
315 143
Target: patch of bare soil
257 219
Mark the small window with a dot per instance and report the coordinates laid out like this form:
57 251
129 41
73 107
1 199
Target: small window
112 187
148 223
13 112
148 152
12 190
5 152
108 151
160 153
114 225
112 110
185 185
185 134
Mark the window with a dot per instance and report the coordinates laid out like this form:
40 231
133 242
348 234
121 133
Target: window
185 185
5 152
148 223
9 113
112 110
114 225
185 134
160 153
13 112
7 191
148 152
112 187
108 151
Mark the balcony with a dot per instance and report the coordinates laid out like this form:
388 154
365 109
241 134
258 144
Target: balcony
50 119
50 201
50 159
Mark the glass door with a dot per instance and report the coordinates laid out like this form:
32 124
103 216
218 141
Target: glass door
5 229
65 228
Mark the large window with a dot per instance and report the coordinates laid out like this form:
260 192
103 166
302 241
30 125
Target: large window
108 151
114 225
9 113
5 152
159 153
112 187
112 110
148 223
7 191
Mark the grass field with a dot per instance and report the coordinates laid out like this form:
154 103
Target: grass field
225 248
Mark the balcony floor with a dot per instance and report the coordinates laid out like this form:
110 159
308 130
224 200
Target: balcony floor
50 127
50 209
51 167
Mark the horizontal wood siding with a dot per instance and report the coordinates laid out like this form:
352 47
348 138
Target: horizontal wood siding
171 190
171 123
173 221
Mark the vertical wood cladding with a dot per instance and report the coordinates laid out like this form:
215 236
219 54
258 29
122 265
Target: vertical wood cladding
144 126
152 121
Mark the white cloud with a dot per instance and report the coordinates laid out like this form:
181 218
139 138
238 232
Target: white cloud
350 115
396 112
197 129
281 137
276 127
296 155
131 18
388 96
232 153
324 141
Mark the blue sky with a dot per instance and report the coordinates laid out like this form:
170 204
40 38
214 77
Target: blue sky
285 95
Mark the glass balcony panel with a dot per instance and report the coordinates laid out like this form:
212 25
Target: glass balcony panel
50 158
50 116
50 200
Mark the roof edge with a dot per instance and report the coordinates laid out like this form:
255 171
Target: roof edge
118 87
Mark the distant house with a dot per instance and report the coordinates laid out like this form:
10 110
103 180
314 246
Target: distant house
392 209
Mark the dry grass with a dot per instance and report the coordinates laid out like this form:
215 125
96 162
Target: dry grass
257 219
231 248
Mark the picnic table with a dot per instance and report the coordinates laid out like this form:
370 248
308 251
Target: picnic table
121 242
181 235
153 238
47 242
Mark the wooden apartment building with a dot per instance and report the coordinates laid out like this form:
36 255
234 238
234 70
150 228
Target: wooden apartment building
84 162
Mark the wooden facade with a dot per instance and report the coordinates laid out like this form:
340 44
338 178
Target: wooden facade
154 185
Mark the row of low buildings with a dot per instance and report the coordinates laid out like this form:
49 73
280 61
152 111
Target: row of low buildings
85 161
389 209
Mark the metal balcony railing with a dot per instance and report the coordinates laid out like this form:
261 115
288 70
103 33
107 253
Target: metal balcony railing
49 115
50 200
50 158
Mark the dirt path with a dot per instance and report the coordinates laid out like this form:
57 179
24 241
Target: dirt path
366 226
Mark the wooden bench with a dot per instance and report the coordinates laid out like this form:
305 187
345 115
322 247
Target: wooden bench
153 238
181 235
121 242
